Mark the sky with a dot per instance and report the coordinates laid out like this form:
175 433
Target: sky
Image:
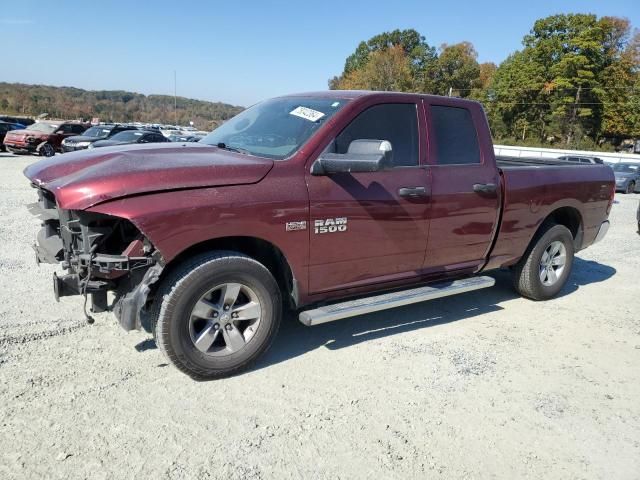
241 52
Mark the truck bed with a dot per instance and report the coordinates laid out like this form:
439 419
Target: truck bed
521 162
533 188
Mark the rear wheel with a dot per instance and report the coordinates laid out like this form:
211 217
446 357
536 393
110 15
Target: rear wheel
631 187
47 150
218 313
546 265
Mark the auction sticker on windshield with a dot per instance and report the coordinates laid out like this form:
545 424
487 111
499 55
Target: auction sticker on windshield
307 113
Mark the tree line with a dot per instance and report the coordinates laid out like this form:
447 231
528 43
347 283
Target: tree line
111 105
575 82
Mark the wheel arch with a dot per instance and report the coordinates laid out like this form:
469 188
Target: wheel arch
259 249
567 216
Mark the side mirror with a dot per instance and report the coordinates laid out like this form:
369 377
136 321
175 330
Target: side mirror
361 156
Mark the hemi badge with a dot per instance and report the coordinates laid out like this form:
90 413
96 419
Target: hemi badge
293 226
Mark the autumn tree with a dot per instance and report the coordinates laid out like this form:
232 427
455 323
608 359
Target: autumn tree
418 55
413 64
385 70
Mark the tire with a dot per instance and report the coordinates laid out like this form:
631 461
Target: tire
47 150
531 276
186 301
631 187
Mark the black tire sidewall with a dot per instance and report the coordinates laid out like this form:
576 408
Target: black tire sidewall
555 233
45 148
631 187
178 304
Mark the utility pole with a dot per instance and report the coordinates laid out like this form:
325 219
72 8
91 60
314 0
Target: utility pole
175 98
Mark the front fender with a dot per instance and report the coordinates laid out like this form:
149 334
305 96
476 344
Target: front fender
176 221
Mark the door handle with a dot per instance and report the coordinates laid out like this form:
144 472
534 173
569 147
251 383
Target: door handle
484 188
412 192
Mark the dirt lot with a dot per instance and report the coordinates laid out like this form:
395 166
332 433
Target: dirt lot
484 385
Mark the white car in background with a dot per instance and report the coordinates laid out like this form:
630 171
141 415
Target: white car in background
168 130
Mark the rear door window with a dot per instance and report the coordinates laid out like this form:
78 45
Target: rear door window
455 137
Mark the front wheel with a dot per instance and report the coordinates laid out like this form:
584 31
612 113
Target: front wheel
546 265
219 312
47 150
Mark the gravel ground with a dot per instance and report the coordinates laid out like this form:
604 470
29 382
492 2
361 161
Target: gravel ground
483 385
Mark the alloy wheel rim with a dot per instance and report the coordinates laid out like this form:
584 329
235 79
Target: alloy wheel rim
225 319
48 150
552 263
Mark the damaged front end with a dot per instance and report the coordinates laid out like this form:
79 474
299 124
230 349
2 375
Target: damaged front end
101 253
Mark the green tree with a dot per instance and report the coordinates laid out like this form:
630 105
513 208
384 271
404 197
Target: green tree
456 70
620 80
566 81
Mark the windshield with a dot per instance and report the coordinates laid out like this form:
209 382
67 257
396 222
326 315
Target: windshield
275 128
626 168
127 136
97 132
43 127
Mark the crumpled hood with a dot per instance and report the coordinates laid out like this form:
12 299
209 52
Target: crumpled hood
82 179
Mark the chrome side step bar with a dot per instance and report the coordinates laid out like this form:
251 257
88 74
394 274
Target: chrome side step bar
362 306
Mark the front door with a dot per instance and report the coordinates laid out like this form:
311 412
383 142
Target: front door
371 227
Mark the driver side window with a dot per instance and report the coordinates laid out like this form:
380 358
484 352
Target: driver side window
395 122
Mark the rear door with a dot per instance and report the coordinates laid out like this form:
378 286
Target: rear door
364 228
465 188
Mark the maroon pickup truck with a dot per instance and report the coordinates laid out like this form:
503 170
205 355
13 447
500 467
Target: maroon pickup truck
333 204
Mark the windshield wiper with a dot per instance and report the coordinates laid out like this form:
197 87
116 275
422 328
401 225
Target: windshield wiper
224 146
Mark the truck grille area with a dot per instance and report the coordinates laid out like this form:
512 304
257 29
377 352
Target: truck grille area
48 247
89 244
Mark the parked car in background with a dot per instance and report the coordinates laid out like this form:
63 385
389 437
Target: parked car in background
581 159
43 138
185 138
6 127
22 121
627 176
93 134
168 130
131 136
